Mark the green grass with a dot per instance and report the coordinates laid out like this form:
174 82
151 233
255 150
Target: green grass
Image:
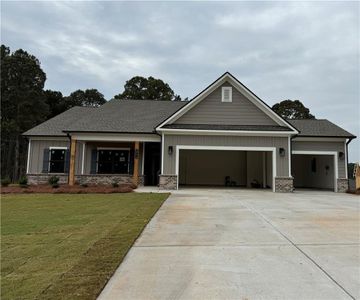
61 246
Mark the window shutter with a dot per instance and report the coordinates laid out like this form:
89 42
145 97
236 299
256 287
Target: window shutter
93 161
67 161
46 157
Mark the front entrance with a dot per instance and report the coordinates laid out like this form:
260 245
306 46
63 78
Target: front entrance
152 163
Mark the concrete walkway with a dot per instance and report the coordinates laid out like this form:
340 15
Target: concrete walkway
245 244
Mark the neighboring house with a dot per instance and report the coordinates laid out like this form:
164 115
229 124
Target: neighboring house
226 135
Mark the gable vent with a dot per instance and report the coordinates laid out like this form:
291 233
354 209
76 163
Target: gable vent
226 94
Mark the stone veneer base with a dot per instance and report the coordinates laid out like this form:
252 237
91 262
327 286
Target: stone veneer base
342 185
284 184
44 178
85 179
168 182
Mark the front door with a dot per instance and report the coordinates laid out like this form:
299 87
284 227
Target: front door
152 163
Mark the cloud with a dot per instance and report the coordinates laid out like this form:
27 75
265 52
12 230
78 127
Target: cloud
280 50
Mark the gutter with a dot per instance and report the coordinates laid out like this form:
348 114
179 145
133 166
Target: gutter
347 157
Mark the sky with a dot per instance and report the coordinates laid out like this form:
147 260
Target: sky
308 51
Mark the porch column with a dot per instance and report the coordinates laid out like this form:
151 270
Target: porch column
136 163
72 162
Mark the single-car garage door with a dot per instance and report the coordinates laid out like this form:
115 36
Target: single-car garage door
314 171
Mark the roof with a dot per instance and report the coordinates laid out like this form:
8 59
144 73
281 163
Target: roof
227 76
319 128
227 127
126 116
56 125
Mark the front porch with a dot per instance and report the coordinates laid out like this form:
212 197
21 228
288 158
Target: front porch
107 162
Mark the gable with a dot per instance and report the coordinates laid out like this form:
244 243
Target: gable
211 110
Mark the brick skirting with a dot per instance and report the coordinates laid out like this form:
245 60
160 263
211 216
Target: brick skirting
44 178
284 184
168 182
85 179
342 185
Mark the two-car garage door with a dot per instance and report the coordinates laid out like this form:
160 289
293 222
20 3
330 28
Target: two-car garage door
241 168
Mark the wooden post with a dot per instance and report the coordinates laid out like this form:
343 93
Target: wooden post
136 163
72 162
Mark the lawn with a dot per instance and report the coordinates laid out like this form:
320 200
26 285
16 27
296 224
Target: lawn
61 246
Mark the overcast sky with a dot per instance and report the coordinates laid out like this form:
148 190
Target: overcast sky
302 50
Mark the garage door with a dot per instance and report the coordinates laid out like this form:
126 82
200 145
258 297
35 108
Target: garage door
314 171
225 168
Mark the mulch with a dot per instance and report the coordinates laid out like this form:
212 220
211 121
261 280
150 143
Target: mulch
67 189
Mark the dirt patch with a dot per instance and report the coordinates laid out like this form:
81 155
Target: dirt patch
67 189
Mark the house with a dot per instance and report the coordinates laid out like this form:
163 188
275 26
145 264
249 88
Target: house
225 135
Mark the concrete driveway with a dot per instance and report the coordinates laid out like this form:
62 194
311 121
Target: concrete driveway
245 244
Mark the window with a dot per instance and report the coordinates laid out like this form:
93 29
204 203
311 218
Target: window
226 94
113 161
57 160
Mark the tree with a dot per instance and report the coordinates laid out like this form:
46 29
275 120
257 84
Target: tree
292 109
140 88
22 106
89 97
56 103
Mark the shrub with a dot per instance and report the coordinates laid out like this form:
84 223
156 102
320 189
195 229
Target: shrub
85 185
55 185
6 181
54 181
115 184
23 181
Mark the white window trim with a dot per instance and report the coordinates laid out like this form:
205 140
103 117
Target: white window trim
113 148
334 153
56 148
223 90
226 148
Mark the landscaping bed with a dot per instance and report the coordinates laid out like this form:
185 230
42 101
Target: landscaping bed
67 189
68 246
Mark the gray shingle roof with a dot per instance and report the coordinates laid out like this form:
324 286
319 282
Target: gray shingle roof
127 116
142 116
319 128
56 125
228 127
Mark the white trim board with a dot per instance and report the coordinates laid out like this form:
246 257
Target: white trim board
83 158
224 148
28 157
117 137
227 77
333 153
225 132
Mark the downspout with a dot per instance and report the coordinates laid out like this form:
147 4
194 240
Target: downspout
347 158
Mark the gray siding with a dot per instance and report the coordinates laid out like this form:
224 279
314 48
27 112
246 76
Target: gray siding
37 153
238 112
282 167
323 146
